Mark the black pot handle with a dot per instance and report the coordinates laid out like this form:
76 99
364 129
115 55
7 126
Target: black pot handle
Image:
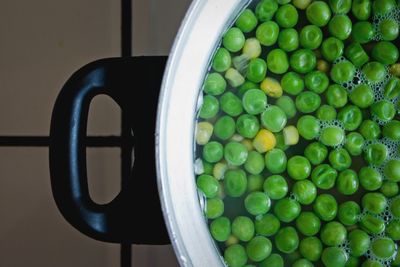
134 216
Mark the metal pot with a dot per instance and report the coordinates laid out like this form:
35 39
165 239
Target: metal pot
198 37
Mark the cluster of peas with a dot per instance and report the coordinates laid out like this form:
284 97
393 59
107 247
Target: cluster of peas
299 112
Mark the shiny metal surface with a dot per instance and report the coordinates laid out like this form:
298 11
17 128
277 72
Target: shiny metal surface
201 30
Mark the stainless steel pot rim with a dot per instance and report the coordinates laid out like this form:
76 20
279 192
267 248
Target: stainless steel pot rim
201 30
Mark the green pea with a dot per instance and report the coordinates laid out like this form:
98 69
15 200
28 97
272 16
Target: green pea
343 72
259 248
332 49
324 176
257 203
235 183
266 9
208 167
235 255
209 108
267 224
332 136
392 88
276 187
233 39
374 71
316 153
275 260
391 130
256 70
349 213
254 182
292 83
361 9
351 117
371 263
287 209
254 101
308 223
396 260
383 110
383 6
362 96
325 207
347 182
370 179
254 163
247 21
215 84
286 103
224 128
301 4
273 119
376 154
363 32
298 168
317 81
352 262
333 234
393 230
310 37
395 207
340 159
389 189
220 229
359 242
247 85
235 153
247 125
305 192
267 33
277 61
288 40
370 130
354 143
287 16
340 6
318 13
383 248
334 257
280 141
357 55
208 185
311 248
287 240
389 29
392 170
326 113
213 152
308 127
221 62
385 53
214 208
308 102
374 202
243 228
275 161
336 96
340 26
231 104
303 61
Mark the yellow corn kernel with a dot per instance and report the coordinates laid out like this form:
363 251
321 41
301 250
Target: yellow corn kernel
290 135
204 131
248 144
232 240
237 138
271 87
252 48
264 141
234 78
322 65
219 170
395 69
